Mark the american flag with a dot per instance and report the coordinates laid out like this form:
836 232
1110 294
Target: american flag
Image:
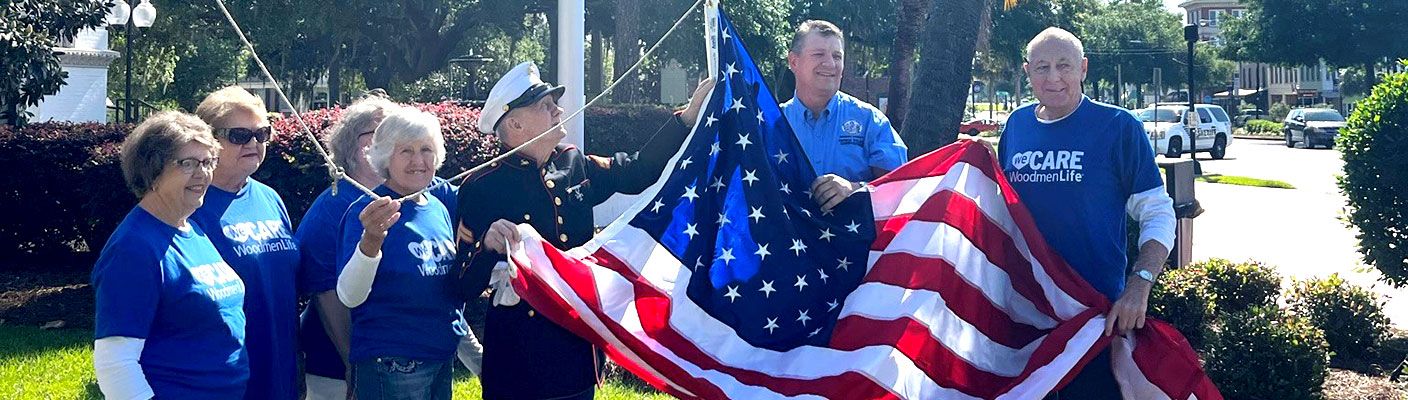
727 281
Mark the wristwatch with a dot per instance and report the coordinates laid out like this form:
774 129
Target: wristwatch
1145 275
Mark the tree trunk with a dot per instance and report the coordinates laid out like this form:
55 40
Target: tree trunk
335 79
626 45
946 72
1369 77
911 21
596 65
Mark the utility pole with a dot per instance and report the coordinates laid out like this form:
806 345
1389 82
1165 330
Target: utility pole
1119 84
1190 34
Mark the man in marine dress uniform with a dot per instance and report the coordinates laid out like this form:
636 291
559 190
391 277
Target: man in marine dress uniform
552 187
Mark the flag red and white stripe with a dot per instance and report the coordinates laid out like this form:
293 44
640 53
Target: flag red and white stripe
962 299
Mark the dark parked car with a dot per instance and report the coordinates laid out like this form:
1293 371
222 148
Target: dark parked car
1247 115
1313 127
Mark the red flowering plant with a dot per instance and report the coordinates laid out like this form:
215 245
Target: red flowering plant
296 170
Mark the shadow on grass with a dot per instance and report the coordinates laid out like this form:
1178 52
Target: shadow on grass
22 341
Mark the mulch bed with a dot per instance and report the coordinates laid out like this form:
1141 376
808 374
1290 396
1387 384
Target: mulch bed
32 297
1348 385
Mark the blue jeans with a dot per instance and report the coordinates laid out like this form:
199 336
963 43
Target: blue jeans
1095 382
399 378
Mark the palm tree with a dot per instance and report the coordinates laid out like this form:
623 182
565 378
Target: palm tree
911 20
625 45
944 73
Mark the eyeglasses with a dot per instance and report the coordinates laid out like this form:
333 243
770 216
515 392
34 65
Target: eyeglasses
188 165
240 136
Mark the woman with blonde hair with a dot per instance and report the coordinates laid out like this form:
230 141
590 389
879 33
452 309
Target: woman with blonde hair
249 225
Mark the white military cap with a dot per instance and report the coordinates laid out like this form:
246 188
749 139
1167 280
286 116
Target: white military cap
520 87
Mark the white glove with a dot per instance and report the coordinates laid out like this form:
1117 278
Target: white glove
471 353
501 280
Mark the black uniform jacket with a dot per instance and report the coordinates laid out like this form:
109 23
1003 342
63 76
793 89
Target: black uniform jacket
527 356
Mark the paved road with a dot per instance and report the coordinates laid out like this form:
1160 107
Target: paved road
1296 230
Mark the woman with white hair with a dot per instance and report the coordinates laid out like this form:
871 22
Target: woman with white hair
395 258
323 335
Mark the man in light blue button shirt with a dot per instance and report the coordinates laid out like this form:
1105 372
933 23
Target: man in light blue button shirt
847 140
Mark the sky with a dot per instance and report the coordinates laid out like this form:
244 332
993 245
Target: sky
1172 5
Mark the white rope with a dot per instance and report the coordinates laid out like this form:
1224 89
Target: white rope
333 170
337 173
579 111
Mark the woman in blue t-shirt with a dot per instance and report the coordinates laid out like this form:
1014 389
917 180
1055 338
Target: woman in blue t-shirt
324 325
395 258
249 226
169 322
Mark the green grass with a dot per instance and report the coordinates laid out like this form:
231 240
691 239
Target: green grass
1244 181
58 364
40 364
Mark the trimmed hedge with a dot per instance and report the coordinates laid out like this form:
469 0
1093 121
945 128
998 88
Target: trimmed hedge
1236 287
1261 127
622 128
1375 179
1266 353
1251 348
62 187
1181 299
66 194
1352 317
298 173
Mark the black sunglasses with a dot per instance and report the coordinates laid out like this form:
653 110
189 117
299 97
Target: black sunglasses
240 136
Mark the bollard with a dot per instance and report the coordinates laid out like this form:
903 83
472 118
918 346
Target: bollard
1178 179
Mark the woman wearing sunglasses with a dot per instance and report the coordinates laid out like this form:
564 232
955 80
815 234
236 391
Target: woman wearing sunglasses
249 225
169 319
395 258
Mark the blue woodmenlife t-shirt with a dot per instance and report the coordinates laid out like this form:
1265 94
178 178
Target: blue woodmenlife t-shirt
411 311
318 235
1075 176
170 287
251 230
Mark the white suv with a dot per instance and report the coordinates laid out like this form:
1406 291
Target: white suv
1168 126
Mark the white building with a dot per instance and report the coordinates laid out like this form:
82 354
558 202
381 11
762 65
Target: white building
84 97
1290 85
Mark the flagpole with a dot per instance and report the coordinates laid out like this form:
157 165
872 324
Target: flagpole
711 34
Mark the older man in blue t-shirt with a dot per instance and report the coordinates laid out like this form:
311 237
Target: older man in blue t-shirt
848 141
1081 166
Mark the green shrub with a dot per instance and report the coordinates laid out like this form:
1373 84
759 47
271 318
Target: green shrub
296 171
63 187
1181 299
66 179
1278 111
1352 317
1235 287
1263 127
622 128
1265 353
1375 179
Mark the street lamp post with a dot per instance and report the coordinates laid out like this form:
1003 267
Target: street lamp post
1190 34
141 16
